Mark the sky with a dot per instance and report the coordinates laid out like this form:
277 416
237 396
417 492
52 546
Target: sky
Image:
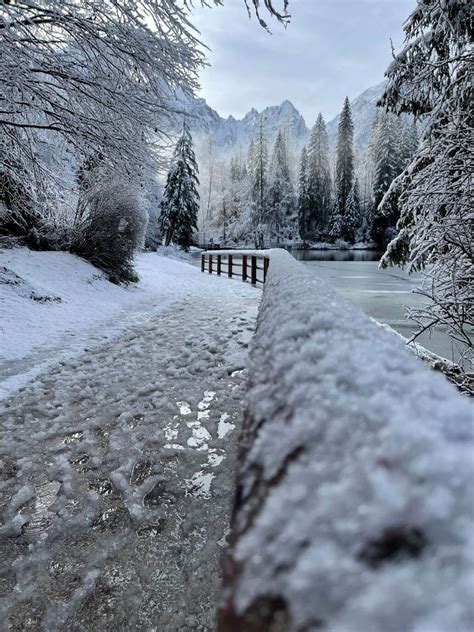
332 48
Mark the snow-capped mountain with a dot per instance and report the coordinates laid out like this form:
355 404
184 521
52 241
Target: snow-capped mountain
231 132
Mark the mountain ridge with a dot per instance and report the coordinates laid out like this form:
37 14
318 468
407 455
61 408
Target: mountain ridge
231 132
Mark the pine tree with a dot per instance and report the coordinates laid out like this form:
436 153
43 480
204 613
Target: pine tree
344 159
353 217
386 156
180 204
281 195
392 150
258 166
237 186
432 76
336 226
304 209
319 179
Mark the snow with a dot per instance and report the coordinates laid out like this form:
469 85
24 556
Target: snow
117 466
54 305
357 499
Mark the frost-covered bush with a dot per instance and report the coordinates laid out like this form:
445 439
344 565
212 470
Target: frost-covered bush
17 198
112 226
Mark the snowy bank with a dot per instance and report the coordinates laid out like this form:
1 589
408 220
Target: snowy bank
355 506
54 305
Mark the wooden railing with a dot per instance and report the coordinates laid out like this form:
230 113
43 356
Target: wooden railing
248 265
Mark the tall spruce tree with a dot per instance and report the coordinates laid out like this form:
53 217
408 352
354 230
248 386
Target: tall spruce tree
319 179
180 203
387 155
344 158
237 186
281 195
387 151
394 145
408 141
304 207
353 216
258 168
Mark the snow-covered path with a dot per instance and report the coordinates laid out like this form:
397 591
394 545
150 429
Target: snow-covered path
116 471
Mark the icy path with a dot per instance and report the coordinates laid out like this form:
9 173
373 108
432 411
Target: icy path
116 472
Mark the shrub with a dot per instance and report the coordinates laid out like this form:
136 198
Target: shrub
17 200
111 227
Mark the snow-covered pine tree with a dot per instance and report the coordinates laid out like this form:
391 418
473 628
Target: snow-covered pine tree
388 158
319 179
281 195
237 188
207 187
353 217
336 226
433 76
304 210
344 159
408 141
396 141
258 167
180 203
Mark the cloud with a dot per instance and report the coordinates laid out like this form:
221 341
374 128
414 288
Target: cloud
330 49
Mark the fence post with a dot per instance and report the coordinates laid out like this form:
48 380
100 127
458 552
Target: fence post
229 266
210 264
244 267
253 270
266 261
218 264
203 258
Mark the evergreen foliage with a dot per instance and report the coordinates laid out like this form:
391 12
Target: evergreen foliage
180 203
352 218
304 208
281 195
387 157
258 168
344 159
319 179
395 140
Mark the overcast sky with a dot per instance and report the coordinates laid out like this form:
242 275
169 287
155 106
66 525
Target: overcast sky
330 49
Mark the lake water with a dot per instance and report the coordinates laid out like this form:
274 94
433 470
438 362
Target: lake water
382 294
337 255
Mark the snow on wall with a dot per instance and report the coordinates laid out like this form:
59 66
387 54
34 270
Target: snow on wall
355 503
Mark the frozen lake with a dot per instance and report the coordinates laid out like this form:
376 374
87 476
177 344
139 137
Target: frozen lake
382 294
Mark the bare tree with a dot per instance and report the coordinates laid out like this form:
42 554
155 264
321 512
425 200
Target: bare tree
100 73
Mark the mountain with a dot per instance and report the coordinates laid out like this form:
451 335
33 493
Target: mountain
231 132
